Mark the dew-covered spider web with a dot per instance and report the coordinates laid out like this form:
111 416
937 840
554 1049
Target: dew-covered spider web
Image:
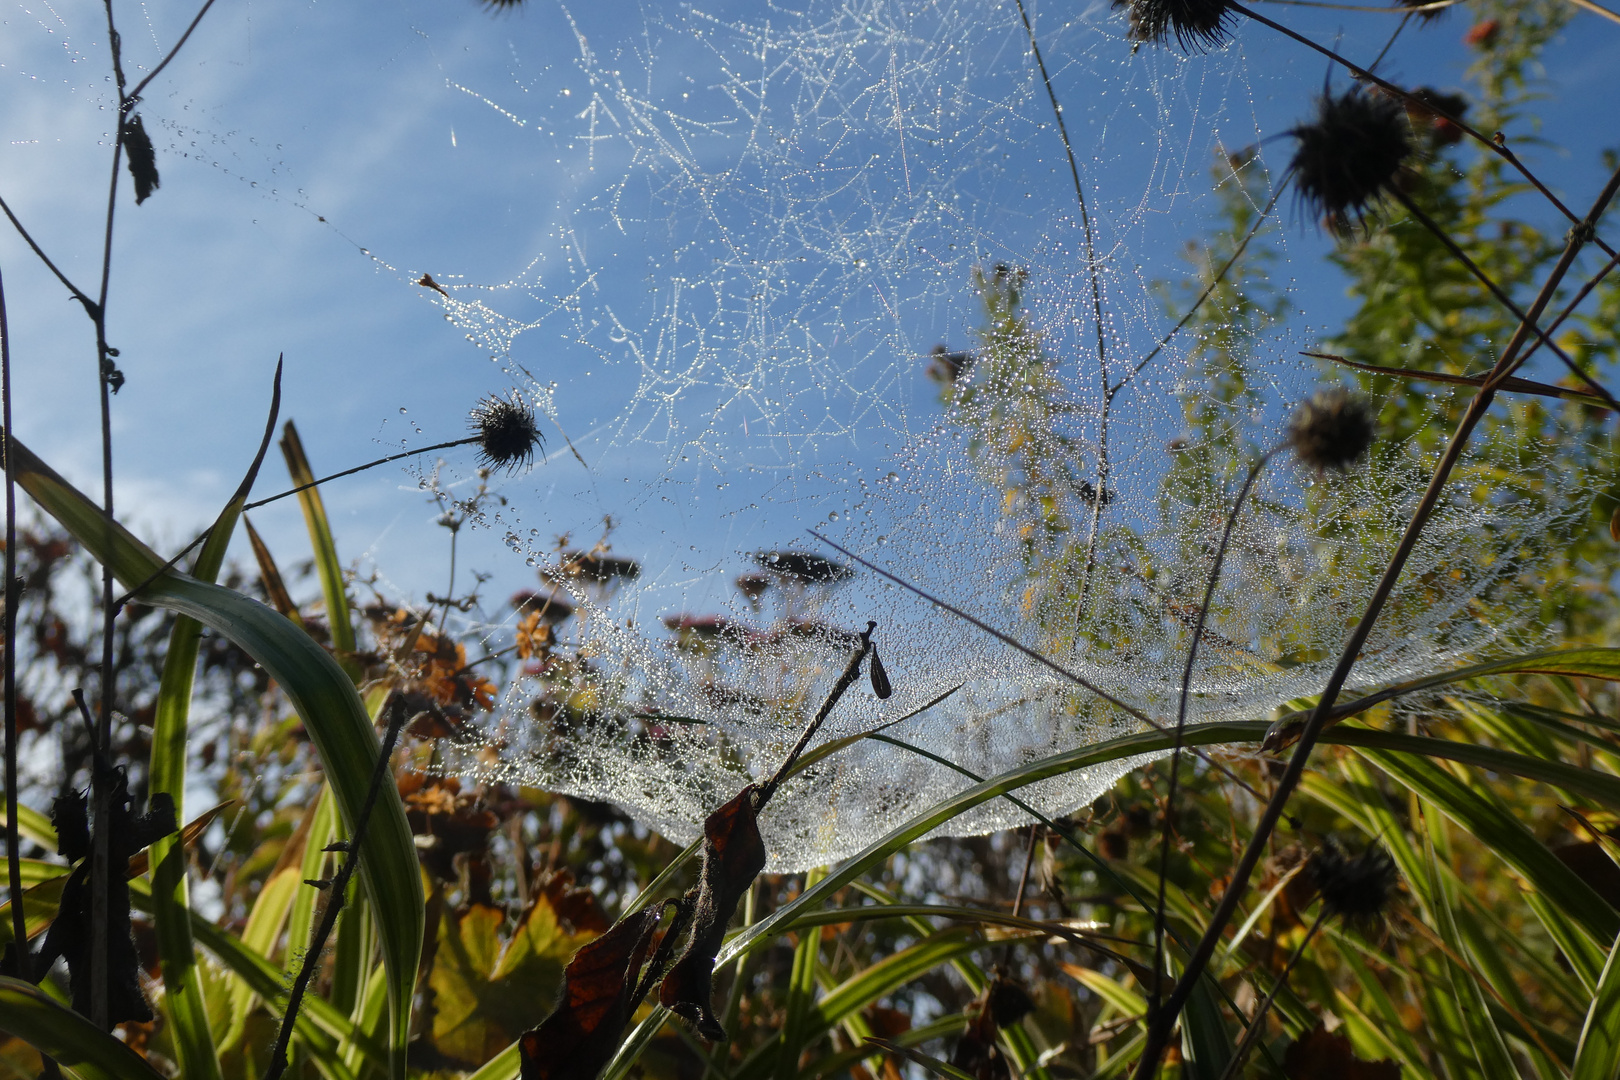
813 201
825 267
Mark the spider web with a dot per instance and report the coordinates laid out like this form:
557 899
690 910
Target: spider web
760 222
808 195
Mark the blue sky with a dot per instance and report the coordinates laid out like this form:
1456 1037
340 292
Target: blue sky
318 158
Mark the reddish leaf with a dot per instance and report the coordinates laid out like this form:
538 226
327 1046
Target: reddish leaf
733 855
579 1038
1319 1055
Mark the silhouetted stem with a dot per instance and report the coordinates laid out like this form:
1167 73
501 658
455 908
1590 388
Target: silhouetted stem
337 890
19 920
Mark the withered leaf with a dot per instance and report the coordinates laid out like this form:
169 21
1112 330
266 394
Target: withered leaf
733 855
1319 1055
70 934
142 158
580 1036
1002 1004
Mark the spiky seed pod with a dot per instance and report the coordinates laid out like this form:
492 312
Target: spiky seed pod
507 433
1331 431
1198 25
1357 889
1350 154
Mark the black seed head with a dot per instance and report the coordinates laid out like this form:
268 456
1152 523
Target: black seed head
1198 25
1356 889
507 434
1350 154
1331 431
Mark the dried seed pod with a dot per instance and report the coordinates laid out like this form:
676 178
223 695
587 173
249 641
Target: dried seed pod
1356 889
1350 154
141 157
1331 431
507 433
1198 25
880 678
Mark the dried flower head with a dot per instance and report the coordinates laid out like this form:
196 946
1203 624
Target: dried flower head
1331 431
507 433
1350 154
1357 889
1198 25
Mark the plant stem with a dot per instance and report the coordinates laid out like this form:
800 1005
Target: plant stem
1181 714
19 920
1159 1027
337 889
852 671
1257 1022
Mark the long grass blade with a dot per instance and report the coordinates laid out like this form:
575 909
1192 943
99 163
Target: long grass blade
1597 1057
73 1041
321 692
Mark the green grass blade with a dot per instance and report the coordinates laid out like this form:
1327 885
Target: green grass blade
77 1045
801 995
1490 1048
31 825
320 691
1206 1043
171 903
1597 1056
1506 837
265 920
327 566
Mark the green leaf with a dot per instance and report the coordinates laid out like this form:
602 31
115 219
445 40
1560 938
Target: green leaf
1506 837
327 566
171 902
801 996
77 1045
31 825
1206 1044
1597 1056
319 690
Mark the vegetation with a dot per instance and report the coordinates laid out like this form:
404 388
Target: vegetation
1417 881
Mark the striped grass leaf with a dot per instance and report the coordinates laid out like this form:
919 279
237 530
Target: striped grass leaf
76 1044
1597 1057
327 567
801 994
1206 1042
1505 837
32 825
1490 1048
932 1064
182 983
323 695
265 920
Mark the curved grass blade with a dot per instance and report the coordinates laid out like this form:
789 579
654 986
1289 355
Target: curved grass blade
327 566
32 825
77 1045
320 691
1597 1057
171 901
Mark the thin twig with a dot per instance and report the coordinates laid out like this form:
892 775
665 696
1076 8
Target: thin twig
337 888
90 307
1418 10
1257 1022
1407 96
135 94
1393 38
852 671
19 920
1597 9
1160 1027
360 468
1012 642
1181 714
1575 302
1220 276
1522 386
1497 291
100 867
1100 497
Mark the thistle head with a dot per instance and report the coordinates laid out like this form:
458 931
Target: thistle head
506 431
1198 25
1357 889
1331 431
1350 154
